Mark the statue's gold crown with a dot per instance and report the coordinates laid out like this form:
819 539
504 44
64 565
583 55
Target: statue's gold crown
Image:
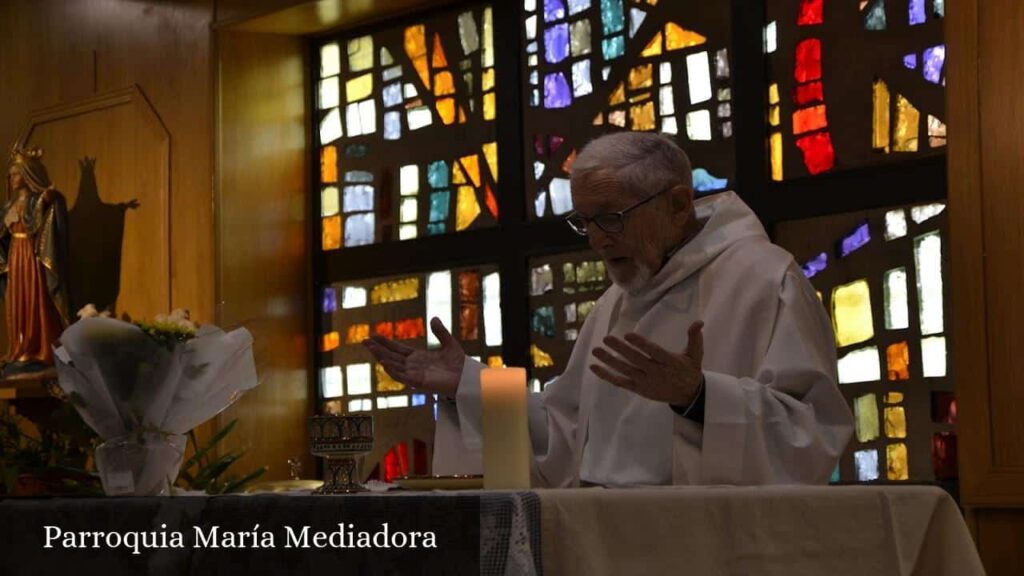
21 155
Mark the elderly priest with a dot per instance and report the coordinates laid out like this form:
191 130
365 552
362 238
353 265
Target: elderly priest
710 359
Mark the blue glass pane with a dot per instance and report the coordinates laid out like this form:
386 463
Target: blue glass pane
392 125
910 61
556 91
856 239
835 474
934 58
358 198
359 229
577 6
393 94
556 43
553 10
815 265
543 321
434 228
874 18
419 399
330 303
439 206
356 150
916 12
358 176
612 17
703 181
437 174
612 48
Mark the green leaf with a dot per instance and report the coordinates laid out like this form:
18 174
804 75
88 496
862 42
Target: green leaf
236 485
209 445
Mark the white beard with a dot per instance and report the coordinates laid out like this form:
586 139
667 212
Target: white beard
639 280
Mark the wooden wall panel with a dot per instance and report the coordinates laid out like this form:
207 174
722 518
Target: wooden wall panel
263 229
311 17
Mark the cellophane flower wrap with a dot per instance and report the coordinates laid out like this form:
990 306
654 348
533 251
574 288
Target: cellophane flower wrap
142 391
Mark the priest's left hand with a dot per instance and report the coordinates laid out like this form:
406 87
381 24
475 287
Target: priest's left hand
643 367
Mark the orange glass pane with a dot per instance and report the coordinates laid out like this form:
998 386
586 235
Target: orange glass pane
491 155
653 47
331 239
495 362
462 115
677 37
409 329
329 164
640 77
567 165
357 333
472 165
415 41
896 462
469 321
898 357
469 287
642 117
385 329
330 341
444 83
492 202
809 119
446 110
439 60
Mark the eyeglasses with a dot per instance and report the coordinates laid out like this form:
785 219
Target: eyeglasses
610 222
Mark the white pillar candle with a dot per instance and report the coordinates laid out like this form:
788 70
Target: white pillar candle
506 437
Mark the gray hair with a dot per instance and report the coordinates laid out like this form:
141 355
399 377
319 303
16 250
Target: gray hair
644 163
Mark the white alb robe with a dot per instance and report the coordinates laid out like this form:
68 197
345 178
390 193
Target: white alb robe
773 411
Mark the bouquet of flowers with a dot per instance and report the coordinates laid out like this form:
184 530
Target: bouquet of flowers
142 386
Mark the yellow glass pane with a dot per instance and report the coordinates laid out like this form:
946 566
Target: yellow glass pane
357 333
360 54
677 37
896 462
893 397
865 410
386 383
359 88
439 60
908 121
489 106
653 47
773 115
599 119
618 96
639 97
329 164
895 422
395 290
330 341
467 208
773 94
640 77
880 116
569 160
541 359
462 115
776 148
851 313
491 156
421 68
641 117
898 360
487 80
495 362
446 110
415 41
472 165
458 176
331 239
444 83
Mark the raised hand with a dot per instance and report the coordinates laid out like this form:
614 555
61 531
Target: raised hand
643 367
436 371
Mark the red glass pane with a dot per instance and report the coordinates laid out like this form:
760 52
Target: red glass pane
809 119
810 13
469 324
808 60
818 153
385 329
944 456
943 407
411 328
808 93
492 202
396 462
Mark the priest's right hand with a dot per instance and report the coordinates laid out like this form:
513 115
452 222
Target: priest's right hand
436 371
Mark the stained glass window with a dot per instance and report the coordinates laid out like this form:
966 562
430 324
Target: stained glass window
406 130
888 301
563 289
854 84
400 308
603 65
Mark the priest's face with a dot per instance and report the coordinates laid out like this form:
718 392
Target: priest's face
633 255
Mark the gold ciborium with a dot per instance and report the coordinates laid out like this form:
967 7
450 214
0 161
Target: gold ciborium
339 439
